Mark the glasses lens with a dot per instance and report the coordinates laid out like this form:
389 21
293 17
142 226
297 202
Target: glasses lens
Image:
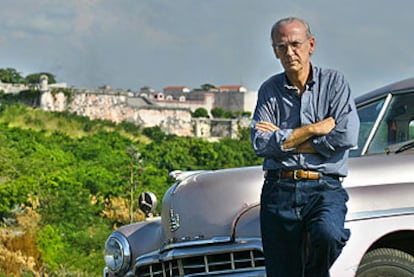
283 47
295 44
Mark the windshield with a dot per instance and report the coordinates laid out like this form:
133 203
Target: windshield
395 127
368 114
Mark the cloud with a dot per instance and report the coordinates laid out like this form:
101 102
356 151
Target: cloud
157 43
34 21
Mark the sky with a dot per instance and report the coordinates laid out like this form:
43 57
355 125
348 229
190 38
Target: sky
130 44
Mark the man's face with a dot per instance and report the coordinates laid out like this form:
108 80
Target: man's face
292 46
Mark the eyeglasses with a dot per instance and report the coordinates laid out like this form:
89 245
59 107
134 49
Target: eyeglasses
283 47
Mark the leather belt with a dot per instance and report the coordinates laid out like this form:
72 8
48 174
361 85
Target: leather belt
300 174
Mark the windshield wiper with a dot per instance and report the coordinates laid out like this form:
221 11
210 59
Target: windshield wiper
405 147
400 147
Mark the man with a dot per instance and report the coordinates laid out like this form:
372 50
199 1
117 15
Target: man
304 124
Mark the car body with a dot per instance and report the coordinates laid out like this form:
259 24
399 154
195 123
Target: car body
209 224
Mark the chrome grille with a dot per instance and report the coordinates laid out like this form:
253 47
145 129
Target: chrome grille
204 264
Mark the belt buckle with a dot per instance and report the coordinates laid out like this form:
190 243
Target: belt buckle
296 176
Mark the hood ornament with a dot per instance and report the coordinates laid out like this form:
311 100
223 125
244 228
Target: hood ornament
174 221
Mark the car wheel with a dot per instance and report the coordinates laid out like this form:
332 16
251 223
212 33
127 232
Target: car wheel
386 262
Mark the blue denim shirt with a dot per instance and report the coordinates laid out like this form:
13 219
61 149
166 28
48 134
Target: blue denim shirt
327 94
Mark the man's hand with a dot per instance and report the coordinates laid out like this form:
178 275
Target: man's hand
304 133
265 126
299 137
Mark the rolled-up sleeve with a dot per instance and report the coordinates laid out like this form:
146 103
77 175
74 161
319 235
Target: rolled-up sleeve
345 133
269 144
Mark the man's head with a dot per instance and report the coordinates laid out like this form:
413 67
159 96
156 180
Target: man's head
293 43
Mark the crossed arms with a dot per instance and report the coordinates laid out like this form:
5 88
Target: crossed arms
300 136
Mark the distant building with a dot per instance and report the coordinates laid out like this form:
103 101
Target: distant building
232 89
43 85
178 89
170 109
229 98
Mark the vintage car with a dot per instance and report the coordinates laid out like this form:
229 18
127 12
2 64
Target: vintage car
209 224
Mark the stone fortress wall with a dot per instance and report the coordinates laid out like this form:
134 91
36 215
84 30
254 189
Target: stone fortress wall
121 105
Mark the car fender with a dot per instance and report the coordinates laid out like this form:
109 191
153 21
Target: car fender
247 222
365 234
143 237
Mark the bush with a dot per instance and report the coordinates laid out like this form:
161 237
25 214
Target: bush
200 112
51 246
73 180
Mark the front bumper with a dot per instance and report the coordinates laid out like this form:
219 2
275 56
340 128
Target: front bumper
251 273
240 258
107 273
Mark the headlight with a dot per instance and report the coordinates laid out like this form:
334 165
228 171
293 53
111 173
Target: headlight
117 253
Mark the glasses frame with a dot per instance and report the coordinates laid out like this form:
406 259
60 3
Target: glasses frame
282 47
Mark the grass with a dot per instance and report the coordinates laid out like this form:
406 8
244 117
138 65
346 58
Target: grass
75 126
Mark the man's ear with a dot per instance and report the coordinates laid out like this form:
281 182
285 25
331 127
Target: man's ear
312 44
276 54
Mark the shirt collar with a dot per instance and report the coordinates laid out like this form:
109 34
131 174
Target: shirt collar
309 83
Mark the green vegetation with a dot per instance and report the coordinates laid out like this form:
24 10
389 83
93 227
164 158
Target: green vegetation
218 112
200 112
35 77
12 76
66 182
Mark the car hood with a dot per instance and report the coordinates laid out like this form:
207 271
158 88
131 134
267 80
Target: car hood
204 206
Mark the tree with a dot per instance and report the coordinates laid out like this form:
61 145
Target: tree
229 114
155 133
135 169
217 112
11 76
51 246
200 112
246 114
35 77
207 87
67 179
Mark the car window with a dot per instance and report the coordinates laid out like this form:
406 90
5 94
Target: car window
368 114
397 124
411 130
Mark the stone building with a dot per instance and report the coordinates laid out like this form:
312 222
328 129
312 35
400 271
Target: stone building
229 98
170 109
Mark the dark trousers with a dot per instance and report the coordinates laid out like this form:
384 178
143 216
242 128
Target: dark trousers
302 225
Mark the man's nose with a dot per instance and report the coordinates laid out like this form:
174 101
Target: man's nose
290 50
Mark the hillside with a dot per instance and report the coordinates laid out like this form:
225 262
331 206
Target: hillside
72 125
65 182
